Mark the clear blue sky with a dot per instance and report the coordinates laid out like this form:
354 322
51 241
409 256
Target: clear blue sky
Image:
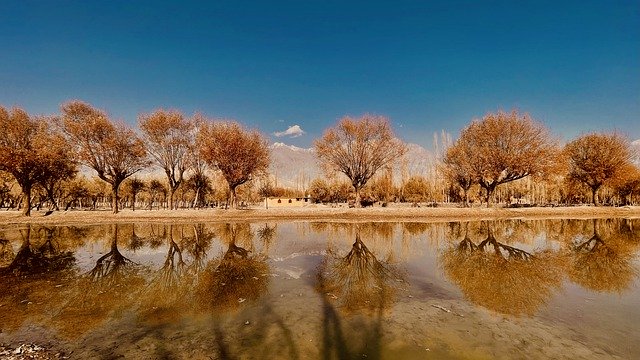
427 65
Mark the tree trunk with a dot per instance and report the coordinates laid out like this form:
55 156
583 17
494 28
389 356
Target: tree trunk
196 199
172 191
26 200
133 203
358 204
233 202
465 194
489 189
114 199
594 198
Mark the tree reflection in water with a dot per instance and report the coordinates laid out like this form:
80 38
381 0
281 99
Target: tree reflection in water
605 265
28 281
6 252
358 281
43 258
238 276
111 267
503 278
110 287
360 285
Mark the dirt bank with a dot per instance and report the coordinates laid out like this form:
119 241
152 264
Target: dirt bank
321 213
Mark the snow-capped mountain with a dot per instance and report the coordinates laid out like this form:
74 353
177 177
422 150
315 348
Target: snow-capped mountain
296 167
292 166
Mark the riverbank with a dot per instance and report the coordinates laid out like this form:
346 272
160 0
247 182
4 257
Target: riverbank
321 213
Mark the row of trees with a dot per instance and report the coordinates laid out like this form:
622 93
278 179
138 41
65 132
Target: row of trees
48 150
500 148
504 147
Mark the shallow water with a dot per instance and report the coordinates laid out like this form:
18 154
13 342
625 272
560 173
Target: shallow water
500 289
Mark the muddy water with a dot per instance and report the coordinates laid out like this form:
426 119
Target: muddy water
476 290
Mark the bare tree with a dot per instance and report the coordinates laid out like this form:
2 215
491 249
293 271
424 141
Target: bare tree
358 148
112 150
596 159
168 137
30 151
504 147
239 154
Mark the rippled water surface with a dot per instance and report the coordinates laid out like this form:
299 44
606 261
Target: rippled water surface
501 289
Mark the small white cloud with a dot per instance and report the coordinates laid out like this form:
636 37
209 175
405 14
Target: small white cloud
292 131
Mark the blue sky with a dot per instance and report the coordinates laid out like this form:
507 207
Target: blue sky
426 65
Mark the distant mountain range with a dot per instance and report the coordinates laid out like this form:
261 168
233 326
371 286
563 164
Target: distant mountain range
296 167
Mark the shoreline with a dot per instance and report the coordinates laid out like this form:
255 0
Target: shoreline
319 213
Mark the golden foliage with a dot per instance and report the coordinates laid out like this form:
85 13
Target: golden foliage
358 148
168 137
500 148
112 150
239 154
32 152
596 159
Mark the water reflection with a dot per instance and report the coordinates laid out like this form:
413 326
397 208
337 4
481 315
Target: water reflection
605 264
239 275
33 258
358 280
331 289
501 277
358 283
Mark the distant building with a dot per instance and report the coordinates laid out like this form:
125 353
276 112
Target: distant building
286 202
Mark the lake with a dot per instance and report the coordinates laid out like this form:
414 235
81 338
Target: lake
512 289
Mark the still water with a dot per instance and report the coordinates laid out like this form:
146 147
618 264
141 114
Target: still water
298 290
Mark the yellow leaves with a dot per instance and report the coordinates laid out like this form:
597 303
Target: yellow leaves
595 159
359 147
238 153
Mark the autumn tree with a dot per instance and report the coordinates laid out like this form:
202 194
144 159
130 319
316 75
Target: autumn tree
155 189
239 154
112 150
504 147
31 151
416 189
61 166
168 137
597 159
457 169
134 186
358 148
628 185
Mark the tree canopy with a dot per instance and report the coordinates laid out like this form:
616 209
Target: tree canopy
239 154
358 148
32 152
168 135
502 147
112 150
597 159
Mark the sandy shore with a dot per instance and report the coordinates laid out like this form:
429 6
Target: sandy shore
321 213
